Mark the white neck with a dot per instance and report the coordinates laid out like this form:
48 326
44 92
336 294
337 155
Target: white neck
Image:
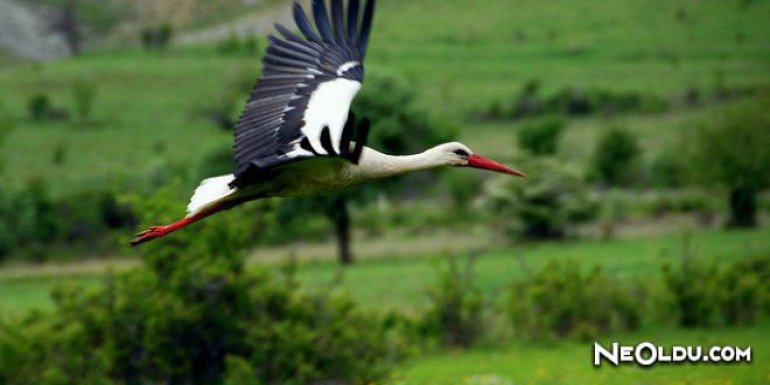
376 165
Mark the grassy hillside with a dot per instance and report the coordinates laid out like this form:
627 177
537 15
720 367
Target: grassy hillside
469 52
460 57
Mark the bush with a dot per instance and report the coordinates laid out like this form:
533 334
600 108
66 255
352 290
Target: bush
703 295
573 102
456 305
615 160
541 137
194 315
668 170
553 200
39 107
561 301
31 220
157 37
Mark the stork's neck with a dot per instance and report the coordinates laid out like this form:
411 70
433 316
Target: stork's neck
376 165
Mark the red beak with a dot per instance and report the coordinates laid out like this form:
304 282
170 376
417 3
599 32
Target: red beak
478 161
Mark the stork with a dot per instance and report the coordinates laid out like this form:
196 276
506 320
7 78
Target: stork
297 136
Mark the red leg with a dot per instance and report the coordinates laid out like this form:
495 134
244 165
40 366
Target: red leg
155 232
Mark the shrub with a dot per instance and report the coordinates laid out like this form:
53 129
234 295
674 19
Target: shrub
553 200
30 219
615 160
561 301
703 294
157 37
668 170
39 107
195 315
541 137
456 305
573 102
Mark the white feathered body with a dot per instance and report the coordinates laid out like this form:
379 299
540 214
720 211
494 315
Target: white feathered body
314 176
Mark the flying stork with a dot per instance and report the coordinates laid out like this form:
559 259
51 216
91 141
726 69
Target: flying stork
296 135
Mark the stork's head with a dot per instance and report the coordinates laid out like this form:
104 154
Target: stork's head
459 155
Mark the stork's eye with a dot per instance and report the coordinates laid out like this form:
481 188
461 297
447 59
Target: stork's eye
461 152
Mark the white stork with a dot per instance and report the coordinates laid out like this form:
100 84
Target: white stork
294 137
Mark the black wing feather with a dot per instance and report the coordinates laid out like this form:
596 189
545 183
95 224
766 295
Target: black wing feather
366 27
322 20
304 24
269 132
353 16
338 20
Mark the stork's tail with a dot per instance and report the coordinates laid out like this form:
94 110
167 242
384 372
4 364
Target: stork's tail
209 193
209 199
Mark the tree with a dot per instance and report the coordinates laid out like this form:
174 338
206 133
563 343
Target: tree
399 125
732 152
616 156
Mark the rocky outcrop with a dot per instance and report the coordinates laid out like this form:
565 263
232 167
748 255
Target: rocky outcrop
25 34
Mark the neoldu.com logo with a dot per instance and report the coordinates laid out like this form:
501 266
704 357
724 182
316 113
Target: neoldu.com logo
647 354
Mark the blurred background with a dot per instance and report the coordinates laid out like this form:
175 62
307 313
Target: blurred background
644 127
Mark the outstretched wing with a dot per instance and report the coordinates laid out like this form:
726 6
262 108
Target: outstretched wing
299 107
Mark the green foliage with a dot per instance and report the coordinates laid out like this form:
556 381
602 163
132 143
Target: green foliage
562 301
616 158
456 305
234 44
541 137
547 205
732 153
39 106
84 94
668 170
573 101
157 37
32 220
463 187
703 294
194 315
5 128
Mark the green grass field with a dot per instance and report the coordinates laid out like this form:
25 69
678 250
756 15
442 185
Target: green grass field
571 362
460 59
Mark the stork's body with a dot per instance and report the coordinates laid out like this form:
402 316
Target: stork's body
297 136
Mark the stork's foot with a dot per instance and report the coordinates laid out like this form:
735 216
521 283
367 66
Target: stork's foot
153 232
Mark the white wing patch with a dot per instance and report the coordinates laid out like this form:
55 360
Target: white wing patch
328 107
346 67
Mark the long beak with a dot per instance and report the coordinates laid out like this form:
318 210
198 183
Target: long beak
478 161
